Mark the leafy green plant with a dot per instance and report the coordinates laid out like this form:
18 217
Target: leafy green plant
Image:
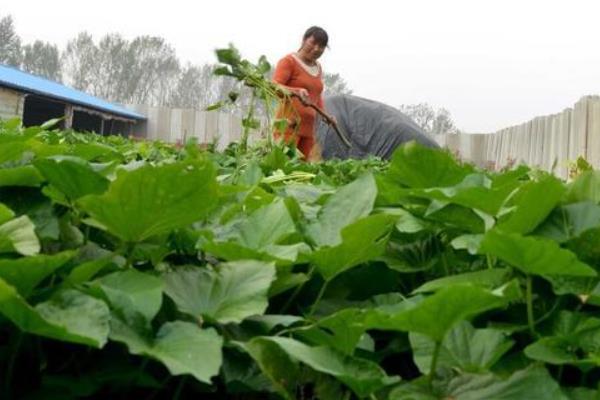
139 268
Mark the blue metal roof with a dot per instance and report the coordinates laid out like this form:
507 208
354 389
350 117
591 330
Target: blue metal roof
17 79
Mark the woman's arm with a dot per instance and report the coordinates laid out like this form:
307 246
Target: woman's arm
282 75
320 102
283 72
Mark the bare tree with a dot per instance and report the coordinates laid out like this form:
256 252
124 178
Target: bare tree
111 68
42 58
423 114
143 71
430 120
10 43
154 71
188 93
198 87
443 123
79 62
335 84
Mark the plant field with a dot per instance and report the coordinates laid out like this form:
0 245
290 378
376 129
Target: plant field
140 270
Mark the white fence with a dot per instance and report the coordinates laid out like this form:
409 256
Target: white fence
175 125
544 142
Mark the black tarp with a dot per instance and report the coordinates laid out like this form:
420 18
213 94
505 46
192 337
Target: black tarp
373 128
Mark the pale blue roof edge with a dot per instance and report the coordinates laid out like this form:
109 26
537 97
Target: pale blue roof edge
20 80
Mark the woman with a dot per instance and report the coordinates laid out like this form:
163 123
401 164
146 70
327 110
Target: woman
301 74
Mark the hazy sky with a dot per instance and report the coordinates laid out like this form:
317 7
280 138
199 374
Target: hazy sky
492 64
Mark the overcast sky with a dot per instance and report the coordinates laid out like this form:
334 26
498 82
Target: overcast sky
492 64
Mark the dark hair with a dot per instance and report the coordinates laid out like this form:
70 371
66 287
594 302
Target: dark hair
318 33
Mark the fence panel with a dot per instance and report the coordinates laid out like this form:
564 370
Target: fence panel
544 142
593 137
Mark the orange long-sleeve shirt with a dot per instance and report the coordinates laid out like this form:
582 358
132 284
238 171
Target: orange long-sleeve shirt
291 73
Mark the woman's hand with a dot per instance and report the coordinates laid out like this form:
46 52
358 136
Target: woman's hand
303 96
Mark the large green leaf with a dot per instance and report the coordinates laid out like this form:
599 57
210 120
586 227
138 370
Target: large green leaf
362 241
182 347
73 176
241 202
133 290
304 193
553 350
464 347
464 218
530 383
69 316
268 322
283 372
26 175
487 278
80 314
574 339
282 255
362 376
252 174
12 151
435 315
338 331
227 293
48 224
570 221
348 204
287 280
407 222
27 272
153 200
514 176
586 289
533 255
95 151
87 270
586 187
257 237
389 193
474 191
42 149
409 256
90 261
241 374
5 213
266 226
416 166
534 201
18 235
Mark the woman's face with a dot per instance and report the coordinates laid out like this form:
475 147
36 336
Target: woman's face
312 49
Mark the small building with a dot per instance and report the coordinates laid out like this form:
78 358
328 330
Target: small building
36 100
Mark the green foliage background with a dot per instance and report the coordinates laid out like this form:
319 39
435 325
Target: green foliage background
132 268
